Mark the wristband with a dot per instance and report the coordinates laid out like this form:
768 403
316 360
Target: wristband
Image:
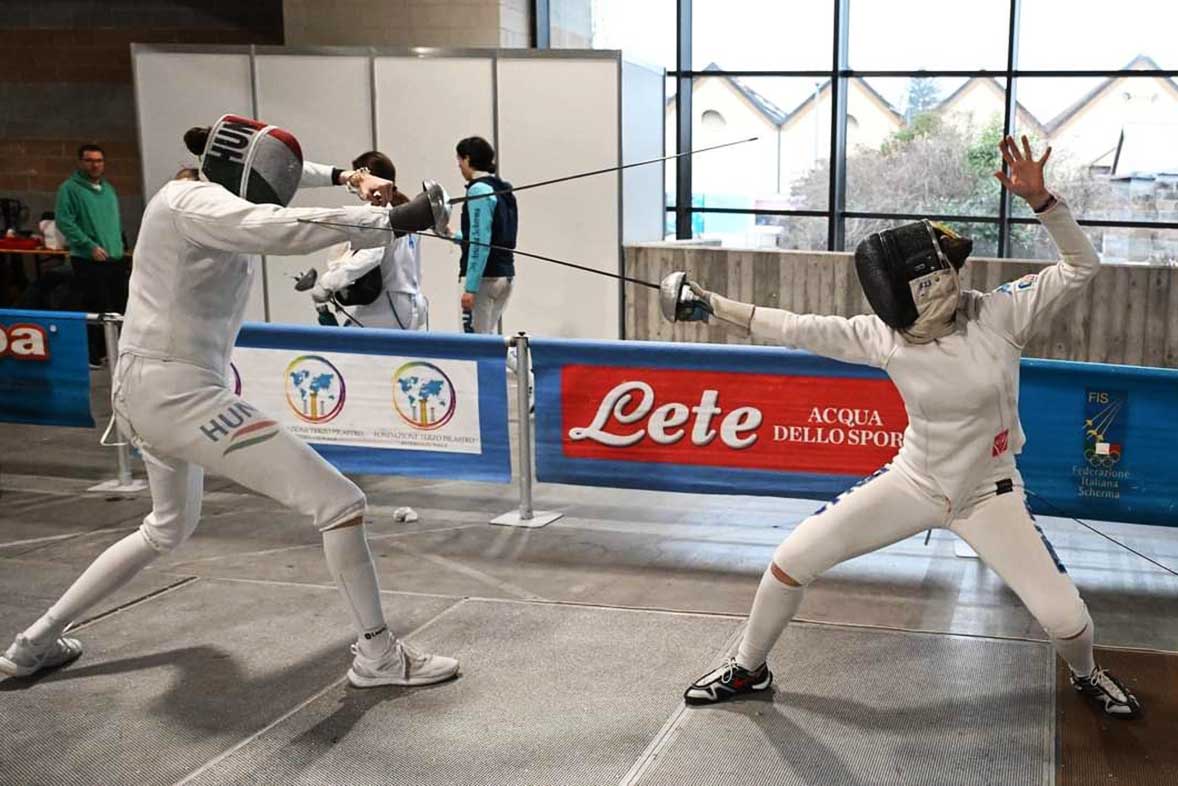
1051 200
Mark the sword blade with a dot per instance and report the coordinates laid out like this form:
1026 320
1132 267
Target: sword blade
461 199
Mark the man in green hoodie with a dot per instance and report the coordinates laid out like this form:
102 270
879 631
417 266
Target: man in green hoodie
88 217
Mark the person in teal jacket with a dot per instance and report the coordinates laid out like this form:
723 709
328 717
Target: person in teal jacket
486 274
88 217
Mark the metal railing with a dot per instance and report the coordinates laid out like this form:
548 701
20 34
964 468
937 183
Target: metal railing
524 516
124 480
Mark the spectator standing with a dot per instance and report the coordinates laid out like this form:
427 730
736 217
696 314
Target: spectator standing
87 215
486 274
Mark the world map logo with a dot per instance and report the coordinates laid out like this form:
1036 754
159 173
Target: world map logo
315 389
423 396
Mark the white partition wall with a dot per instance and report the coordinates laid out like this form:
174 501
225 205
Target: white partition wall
423 107
327 101
175 90
548 113
644 98
557 117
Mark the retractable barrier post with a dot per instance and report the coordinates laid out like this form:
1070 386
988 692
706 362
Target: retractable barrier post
525 516
124 482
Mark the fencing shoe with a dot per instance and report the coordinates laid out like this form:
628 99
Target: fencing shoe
399 665
23 658
1107 691
726 682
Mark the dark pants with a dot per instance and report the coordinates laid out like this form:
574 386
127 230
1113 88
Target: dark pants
100 287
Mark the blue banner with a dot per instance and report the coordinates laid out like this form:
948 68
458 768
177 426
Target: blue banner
384 402
1099 440
768 421
44 372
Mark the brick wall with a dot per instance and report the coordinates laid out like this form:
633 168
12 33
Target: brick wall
65 80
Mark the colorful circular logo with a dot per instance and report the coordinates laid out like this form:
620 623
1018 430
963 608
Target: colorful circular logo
315 389
423 396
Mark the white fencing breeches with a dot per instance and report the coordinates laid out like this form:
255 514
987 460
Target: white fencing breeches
185 420
890 506
489 303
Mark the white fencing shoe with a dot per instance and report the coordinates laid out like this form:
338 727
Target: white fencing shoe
23 658
400 665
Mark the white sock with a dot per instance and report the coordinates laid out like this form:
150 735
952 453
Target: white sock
1078 651
350 563
775 605
113 568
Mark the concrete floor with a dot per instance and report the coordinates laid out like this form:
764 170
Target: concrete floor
222 662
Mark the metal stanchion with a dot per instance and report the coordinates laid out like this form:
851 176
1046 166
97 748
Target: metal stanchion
124 482
525 516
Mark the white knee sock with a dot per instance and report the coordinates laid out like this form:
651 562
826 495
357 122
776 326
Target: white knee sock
113 568
1078 651
350 563
775 605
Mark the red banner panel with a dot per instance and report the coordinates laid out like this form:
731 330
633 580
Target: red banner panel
834 425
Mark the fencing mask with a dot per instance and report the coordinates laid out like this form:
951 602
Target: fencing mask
909 275
255 161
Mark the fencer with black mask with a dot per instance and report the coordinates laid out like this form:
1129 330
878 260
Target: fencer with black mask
954 357
196 258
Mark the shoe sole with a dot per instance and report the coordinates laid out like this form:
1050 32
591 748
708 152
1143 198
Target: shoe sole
12 669
358 681
693 701
1132 714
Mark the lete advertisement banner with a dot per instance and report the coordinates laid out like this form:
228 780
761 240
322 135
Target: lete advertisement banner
709 418
44 376
768 421
383 401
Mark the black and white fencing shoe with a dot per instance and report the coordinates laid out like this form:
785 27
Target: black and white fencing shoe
726 682
1106 691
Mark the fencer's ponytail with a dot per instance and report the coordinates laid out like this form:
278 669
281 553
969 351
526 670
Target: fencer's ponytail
195 139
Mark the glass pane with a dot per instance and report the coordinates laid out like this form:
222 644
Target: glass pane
644 31
746 230
984 236
924 145
762 35
1141 246
1094 34
1113 151
785 168
929 34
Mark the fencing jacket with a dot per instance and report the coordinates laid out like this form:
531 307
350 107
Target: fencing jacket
197 256
961 391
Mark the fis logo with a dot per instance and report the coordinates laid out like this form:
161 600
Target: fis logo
1105 415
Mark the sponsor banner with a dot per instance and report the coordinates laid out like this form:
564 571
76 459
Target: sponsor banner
754 420
718 419
383 402
1100 440
44 371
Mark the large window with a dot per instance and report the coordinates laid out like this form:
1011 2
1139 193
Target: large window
871 113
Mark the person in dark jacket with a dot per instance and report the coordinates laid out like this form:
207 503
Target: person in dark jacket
492 219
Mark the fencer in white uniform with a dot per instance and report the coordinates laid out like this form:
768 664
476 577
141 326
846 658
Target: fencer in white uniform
954 357
194 263
400 304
